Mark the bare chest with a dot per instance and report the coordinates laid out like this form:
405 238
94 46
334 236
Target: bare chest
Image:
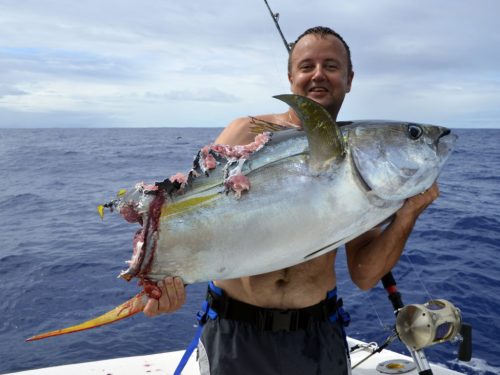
295 287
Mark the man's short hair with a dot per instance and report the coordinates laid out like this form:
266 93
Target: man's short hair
322 32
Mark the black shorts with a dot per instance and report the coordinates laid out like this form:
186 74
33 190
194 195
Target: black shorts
229 347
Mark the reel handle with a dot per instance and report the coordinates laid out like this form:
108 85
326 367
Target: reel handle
465 349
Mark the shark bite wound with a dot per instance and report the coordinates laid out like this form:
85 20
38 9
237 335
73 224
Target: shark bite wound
236 156
145 202
146 208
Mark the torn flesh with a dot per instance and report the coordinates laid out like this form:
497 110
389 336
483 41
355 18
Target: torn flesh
236 157
236 180
144 203
145 240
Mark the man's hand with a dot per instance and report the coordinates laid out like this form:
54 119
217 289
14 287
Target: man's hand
374 253
414 206
172 298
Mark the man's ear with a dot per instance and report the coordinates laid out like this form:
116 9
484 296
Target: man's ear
349 81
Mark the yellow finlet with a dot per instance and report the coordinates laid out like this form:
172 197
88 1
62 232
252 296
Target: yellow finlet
129 308
100 210
121 193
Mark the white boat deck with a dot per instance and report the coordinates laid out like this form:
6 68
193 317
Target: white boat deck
165 363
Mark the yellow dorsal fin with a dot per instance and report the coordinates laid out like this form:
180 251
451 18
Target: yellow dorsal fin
324 137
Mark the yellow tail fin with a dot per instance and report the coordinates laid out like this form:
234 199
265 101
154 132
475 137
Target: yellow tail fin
129 308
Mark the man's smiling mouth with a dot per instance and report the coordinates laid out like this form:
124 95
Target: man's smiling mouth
318 89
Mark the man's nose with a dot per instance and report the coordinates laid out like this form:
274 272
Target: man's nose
319 73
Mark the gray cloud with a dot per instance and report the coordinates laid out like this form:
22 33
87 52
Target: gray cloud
7 90
52 62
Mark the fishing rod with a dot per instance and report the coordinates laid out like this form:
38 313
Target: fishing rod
275 17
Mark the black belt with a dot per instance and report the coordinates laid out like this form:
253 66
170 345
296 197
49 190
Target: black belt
266 319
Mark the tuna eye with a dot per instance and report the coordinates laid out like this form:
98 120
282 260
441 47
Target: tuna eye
415 131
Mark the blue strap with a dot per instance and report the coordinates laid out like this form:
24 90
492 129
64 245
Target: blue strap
343 318
215 288
332 294
206 313
202 316
190 349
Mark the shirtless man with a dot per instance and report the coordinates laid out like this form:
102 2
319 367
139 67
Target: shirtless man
320 68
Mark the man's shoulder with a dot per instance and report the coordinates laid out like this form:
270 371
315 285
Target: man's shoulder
239 130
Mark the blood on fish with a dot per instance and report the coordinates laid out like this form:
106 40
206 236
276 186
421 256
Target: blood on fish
150 288
129 212
151 231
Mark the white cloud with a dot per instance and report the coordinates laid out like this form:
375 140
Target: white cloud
137 63
207 95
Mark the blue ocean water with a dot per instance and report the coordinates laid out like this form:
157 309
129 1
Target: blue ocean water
59 261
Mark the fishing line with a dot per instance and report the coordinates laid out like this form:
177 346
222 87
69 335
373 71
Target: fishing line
420 280
374 308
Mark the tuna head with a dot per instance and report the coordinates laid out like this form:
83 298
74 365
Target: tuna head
398 160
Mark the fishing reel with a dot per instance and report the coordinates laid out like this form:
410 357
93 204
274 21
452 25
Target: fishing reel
422 325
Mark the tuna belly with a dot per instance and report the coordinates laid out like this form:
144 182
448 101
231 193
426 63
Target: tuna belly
281 222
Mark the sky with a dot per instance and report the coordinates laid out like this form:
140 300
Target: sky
165 63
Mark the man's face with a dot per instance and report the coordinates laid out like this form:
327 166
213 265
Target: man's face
320 71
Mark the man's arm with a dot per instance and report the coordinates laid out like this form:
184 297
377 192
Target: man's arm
236 133
373 254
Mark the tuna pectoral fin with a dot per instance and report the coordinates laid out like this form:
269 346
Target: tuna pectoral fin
129 308
323 134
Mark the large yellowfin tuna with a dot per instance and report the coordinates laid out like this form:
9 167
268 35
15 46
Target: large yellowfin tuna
288 197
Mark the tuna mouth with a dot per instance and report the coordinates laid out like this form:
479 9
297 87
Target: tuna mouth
445 143
145 241
444 133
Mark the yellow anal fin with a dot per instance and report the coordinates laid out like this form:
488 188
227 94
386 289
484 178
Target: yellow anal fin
178 207
129 308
